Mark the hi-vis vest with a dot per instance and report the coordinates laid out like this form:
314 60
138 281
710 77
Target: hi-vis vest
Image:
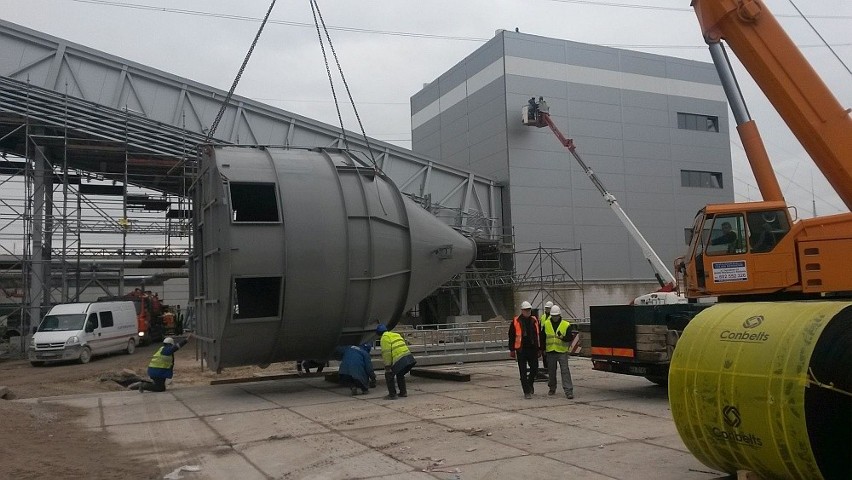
519 332
161 361
544 318
554 344
393 348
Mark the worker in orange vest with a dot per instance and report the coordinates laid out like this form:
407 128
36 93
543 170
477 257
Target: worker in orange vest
525 347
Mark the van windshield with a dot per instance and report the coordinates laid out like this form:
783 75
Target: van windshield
58 323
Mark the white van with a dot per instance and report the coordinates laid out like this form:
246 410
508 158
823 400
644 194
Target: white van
76 331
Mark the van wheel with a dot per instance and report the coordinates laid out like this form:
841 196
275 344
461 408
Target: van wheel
131 346
85 355
37 364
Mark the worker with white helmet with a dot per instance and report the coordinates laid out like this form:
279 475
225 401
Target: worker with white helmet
162 365
525 346
556 336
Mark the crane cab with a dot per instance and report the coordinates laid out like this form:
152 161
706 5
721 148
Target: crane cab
741 249
757 248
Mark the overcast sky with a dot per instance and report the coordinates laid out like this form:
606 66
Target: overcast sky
389 48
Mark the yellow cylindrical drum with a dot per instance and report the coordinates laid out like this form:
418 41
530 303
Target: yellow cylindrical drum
745 393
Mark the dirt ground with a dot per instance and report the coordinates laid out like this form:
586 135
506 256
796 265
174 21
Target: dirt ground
42 441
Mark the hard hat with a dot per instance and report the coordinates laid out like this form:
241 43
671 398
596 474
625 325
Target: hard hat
548 304
381 328
169 340
525 305
555 310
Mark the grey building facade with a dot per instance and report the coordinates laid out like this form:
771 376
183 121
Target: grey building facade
654 129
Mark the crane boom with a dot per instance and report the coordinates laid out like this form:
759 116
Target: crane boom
811 111
661 272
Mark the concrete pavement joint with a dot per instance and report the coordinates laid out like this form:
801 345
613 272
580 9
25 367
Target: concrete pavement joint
222 439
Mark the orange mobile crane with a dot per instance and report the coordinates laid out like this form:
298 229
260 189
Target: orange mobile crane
762 380
775 256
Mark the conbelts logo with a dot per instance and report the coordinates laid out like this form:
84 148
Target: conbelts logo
746 336
752 322
733 419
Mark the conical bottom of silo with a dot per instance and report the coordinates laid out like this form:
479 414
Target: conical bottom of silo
437 253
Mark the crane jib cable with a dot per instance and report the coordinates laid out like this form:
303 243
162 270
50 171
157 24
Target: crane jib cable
319 21
230 94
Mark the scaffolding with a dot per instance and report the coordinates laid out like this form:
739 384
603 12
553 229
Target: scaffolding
88 193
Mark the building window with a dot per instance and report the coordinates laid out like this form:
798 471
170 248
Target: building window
695 178
693 121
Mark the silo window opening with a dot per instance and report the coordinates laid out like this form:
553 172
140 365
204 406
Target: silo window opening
257 297
253 202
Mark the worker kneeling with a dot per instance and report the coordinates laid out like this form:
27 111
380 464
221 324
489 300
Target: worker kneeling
162 365
356 368
398 361
556 333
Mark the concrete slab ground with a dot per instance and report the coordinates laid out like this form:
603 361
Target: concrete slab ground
617 427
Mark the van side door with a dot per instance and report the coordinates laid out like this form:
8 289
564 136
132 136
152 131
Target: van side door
91 333
111 341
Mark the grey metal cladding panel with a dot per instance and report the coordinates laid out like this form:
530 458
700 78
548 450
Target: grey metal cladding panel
487 102
494 165
692 71
469 66
600 217
453 114
428 144
529 234
460 158
647 116
536 48
487 129
612 234
484 56
553 160
525 87
452 146
649 150
424 97
559 196
534 177
643 64
599 146
592 56
635 98
691 156
548 216
645 133
591 111
661 185
494 93
596 128
593 93
452 78
647 166
427 128
488 146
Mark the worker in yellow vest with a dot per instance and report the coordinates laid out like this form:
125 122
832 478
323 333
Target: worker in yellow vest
541 320
398 361
556 334
162 365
